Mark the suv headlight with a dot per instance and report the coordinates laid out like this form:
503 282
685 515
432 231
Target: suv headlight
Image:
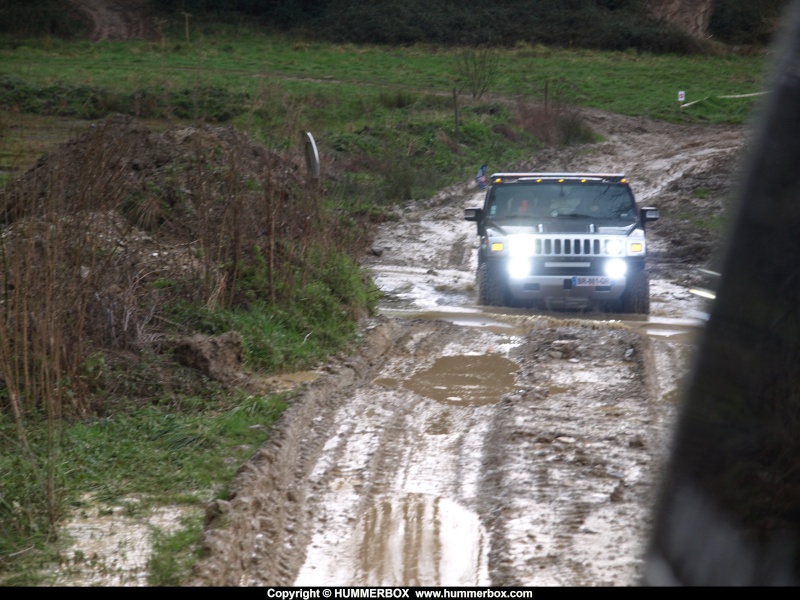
520 246
614 247
616 268
519 268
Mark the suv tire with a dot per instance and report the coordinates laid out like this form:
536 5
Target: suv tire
636 297
492 287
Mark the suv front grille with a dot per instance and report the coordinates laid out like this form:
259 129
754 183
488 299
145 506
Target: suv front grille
568 246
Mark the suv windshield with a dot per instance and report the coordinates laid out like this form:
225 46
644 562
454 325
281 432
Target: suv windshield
600 200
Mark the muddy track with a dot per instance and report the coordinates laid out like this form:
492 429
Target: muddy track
516 463
467 446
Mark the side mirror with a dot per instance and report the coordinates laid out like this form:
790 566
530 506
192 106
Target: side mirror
649 213
473 214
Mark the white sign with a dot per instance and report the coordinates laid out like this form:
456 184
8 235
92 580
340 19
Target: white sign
312 155
681 96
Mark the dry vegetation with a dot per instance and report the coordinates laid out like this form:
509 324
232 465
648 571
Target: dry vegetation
107 236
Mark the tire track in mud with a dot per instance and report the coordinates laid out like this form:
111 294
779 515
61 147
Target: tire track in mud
422 488
373 478
254 537
576 517
344 439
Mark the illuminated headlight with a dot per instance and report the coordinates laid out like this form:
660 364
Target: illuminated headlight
616 268
520 246
519 267
614 247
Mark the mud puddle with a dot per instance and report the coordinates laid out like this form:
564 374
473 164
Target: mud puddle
461 380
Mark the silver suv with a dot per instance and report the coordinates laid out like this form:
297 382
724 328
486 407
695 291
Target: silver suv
562 241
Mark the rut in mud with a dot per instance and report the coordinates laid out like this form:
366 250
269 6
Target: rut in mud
466 446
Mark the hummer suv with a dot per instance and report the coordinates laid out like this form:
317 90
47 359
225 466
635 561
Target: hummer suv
562 241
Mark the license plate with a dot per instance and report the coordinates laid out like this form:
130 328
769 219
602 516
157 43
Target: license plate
590 281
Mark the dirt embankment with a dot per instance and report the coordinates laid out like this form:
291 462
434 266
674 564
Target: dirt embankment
117 20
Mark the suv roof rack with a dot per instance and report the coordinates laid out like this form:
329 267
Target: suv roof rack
508 177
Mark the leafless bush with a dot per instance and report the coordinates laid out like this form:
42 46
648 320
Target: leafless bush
554 120
477 69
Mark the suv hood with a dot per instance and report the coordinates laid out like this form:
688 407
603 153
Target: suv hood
563 226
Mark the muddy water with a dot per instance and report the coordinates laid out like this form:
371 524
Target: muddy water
111 545
407 540
462 380
425 267
406 504
477 458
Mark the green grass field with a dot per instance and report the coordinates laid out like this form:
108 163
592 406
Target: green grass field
274 86
624 82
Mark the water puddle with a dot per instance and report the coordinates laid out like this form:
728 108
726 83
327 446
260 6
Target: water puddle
507 321
464 318
405 540
684 331
286 381
463 380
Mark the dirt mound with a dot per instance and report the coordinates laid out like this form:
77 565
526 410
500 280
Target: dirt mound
131 157
133 220
122 164
117 20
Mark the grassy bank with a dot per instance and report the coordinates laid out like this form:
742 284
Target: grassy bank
392 124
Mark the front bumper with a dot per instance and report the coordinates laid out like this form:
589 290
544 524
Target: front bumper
561 282
564 291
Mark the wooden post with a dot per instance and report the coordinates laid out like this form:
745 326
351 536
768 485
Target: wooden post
186 18
455 110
